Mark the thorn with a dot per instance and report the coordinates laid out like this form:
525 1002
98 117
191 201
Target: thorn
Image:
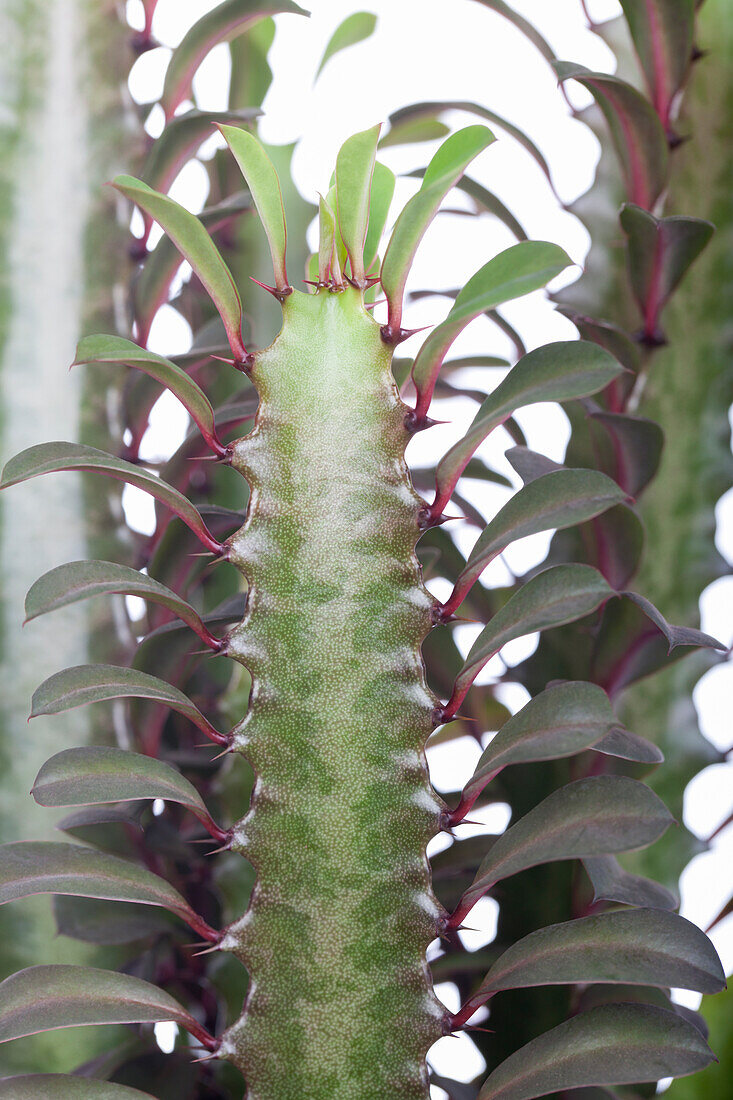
372 280
281 295
397 336
426 520
415 423
204 950
244 365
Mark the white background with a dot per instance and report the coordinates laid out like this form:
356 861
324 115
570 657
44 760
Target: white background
419 52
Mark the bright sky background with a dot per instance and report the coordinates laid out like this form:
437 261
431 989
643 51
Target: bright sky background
419 53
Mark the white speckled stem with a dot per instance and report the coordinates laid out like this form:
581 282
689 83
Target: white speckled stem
340 1005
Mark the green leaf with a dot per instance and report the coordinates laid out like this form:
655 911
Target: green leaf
436 107
195 245
662 32
75 687
636 946
611 882
636 132
98 774
264 185
594 816
46 458
528 30
674 635
516 271
487 201
221 24
443 171
43 998
558 499
560 721
530 464
181 138
629 746
660 251
556 372
117 350
355 28
615 1044
354 170
78 580
717 1014
152 283
59 1086
415 130
560 594
383 184
111 923
47 867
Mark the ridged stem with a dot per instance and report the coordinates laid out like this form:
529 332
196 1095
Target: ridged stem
340 1001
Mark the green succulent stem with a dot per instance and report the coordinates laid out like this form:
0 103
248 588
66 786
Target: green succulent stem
340 711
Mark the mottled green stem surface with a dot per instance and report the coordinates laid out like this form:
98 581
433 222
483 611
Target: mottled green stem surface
340 1002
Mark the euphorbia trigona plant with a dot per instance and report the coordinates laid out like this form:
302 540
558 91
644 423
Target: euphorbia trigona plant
339 1002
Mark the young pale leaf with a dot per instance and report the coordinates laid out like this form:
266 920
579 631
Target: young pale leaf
443 171
662 32
634 946
354 29
46 458
153 282
59 1086
43 998
329 265
558 595
558 499
354 170
221 24
637 133
181 138
264 185
45 867
97 774
556 372
516 271
195 245
75 687
611 882
616 1044
117 350
595 816
560 721
660 251
78 580
383 184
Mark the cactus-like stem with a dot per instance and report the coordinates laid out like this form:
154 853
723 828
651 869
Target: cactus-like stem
342 914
